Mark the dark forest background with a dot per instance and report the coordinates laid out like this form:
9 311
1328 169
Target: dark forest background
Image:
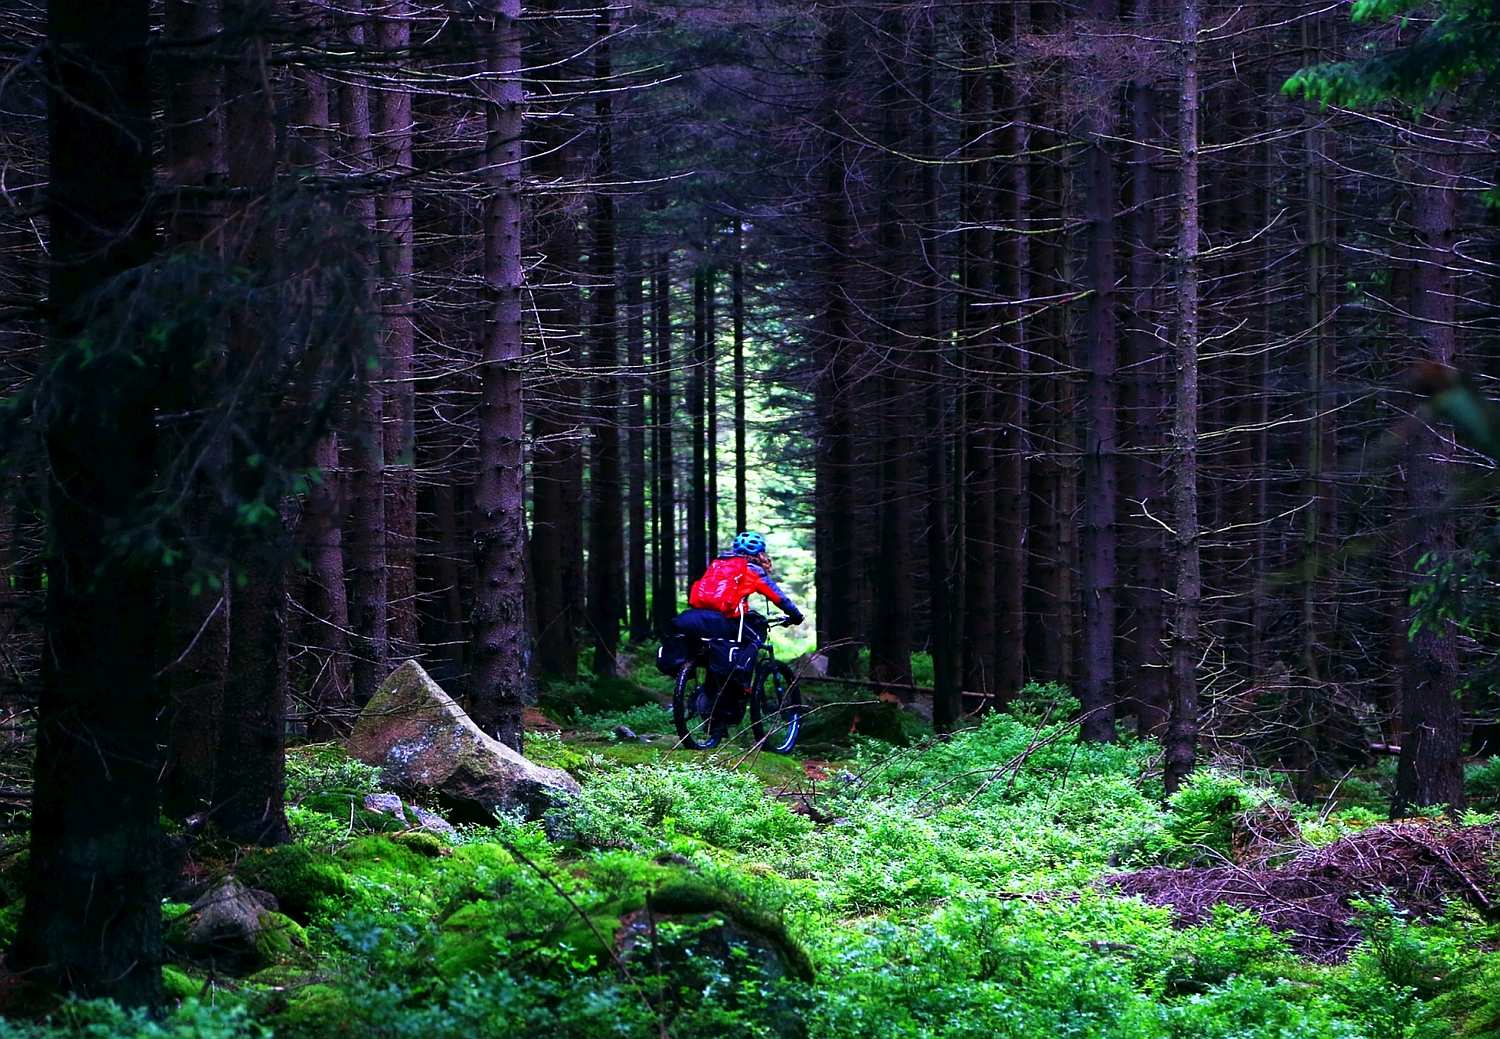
1050 342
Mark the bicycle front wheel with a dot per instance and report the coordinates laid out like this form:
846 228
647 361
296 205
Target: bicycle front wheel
776 708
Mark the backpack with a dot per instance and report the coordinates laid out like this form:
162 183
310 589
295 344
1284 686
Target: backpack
724 586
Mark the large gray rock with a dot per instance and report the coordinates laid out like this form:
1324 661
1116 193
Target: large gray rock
424 743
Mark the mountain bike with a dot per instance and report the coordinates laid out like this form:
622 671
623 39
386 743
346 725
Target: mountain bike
705 705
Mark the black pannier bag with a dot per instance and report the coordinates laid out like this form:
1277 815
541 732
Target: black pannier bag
675 650
727 657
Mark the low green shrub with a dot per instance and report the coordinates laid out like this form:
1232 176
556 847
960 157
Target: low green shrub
323 768
644 719
645 806
304 881
564 701
1482 784
103 1019
1199 827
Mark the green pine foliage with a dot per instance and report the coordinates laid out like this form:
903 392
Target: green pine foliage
1451 45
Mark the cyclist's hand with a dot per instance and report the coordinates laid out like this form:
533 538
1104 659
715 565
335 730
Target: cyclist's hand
794 619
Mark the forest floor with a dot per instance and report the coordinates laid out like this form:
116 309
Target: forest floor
1006 882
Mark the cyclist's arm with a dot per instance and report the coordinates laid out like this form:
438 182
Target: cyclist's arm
765 585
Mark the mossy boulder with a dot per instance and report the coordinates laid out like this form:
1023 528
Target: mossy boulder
318 1011
179 984
426 745
423 843
690 896
474 937
237 930
386 863
697 936
347 806
302 880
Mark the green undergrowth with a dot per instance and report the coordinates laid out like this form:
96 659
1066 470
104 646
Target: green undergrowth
938 889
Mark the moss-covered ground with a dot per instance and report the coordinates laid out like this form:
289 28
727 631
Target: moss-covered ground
935 889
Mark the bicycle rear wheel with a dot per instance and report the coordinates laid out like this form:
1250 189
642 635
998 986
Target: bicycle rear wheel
693 701
776 708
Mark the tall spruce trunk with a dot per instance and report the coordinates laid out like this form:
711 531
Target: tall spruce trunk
366 555
947 700
1052 516
393 128
697 519
1430 769
1182 727
195 625
711 403
976 334
664 501
1318 515
1012 284
557 477
249 774
92 917
741 461
606 562
323 513
834 515
635 425
1146 406
1097 572
500 683
891 631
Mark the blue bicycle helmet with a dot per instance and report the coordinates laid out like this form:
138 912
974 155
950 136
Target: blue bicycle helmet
748 543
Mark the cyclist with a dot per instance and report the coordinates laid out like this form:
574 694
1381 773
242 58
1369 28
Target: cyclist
719 600
719 609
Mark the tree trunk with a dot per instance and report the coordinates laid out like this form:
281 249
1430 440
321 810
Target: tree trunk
891 633
557 486
606 564
1182 727
322 538
500 685
635 422
1147 409
834 505
741 461
947 701
1096 687
195 628
711 404
697 520
323 514
366 556
92 916
249 777
393 125
1430 769
1052 518
664 502
1012 284
976 332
